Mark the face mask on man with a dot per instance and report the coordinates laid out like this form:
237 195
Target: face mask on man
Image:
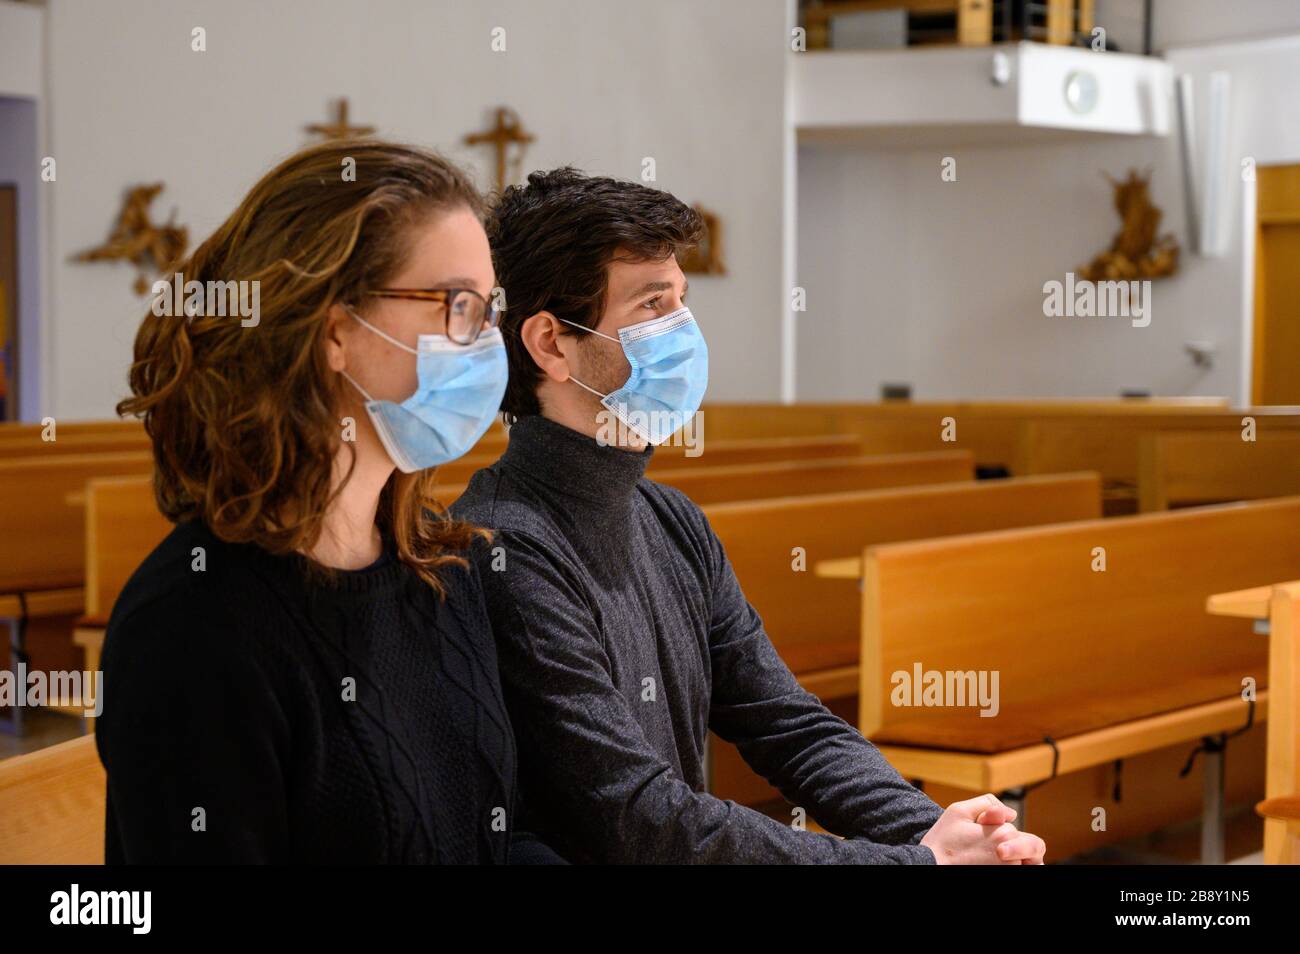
458 391
670 371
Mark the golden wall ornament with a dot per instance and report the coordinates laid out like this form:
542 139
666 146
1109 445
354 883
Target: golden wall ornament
706 258
137 240
1136 252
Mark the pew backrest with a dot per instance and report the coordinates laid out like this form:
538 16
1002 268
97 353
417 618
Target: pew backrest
1185 468
707 485
42 544
774 544
1086 625
123 525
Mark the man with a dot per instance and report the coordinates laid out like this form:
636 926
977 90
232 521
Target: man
623 635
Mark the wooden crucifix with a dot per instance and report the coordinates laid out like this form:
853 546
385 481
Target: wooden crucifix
508 129
339 129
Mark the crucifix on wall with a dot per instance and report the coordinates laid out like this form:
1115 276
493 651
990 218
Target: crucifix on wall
339 129
507 130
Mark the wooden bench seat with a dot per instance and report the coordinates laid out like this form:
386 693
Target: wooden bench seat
1058 716
52 806
1025 765
1103 663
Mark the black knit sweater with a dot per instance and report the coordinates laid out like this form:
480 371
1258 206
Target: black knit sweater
257 713
623 637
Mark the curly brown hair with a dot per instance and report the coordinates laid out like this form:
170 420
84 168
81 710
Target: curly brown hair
244 420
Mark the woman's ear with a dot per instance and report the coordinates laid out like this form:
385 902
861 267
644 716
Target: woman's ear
541 335
338 327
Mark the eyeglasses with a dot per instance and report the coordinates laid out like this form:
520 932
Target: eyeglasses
469 314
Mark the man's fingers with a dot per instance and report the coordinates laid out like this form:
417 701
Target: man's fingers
998 815
1022 848
972 807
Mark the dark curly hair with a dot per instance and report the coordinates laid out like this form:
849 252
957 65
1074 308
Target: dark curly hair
553 240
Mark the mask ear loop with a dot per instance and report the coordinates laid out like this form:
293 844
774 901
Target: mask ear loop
351 380
387 337
590 330
594 332
585 388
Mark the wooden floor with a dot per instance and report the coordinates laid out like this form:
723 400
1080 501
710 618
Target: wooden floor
40 729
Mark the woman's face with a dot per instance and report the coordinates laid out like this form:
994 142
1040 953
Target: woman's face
449 250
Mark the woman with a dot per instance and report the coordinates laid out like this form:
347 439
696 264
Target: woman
303 670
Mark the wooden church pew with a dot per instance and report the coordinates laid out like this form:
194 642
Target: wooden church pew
1106 664
1111 444
715 453
1185 468
707 485
72 437
122 527
1276 610
52 806
42 554
814 623
992 430
1282 783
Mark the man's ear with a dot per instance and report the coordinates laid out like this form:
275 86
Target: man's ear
541 335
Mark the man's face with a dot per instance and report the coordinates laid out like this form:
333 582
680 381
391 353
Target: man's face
637 292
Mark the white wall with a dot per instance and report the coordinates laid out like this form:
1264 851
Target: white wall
940 283
699 87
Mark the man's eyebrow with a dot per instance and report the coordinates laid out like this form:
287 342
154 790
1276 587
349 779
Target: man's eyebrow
650 287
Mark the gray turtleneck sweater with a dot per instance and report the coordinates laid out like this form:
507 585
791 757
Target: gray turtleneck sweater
623 637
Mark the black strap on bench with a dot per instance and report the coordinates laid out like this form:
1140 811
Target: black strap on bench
19 648
1056 764
1217 743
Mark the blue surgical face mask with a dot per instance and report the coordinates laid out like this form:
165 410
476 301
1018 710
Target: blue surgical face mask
458 390
670 370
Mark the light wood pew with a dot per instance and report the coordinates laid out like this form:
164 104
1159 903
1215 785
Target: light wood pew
72 437
43 545
52 806
716 453
1275 611
122 527
1178 469
992 430
1282 783
1110 445
814 623
708 485
42 554
1108 664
